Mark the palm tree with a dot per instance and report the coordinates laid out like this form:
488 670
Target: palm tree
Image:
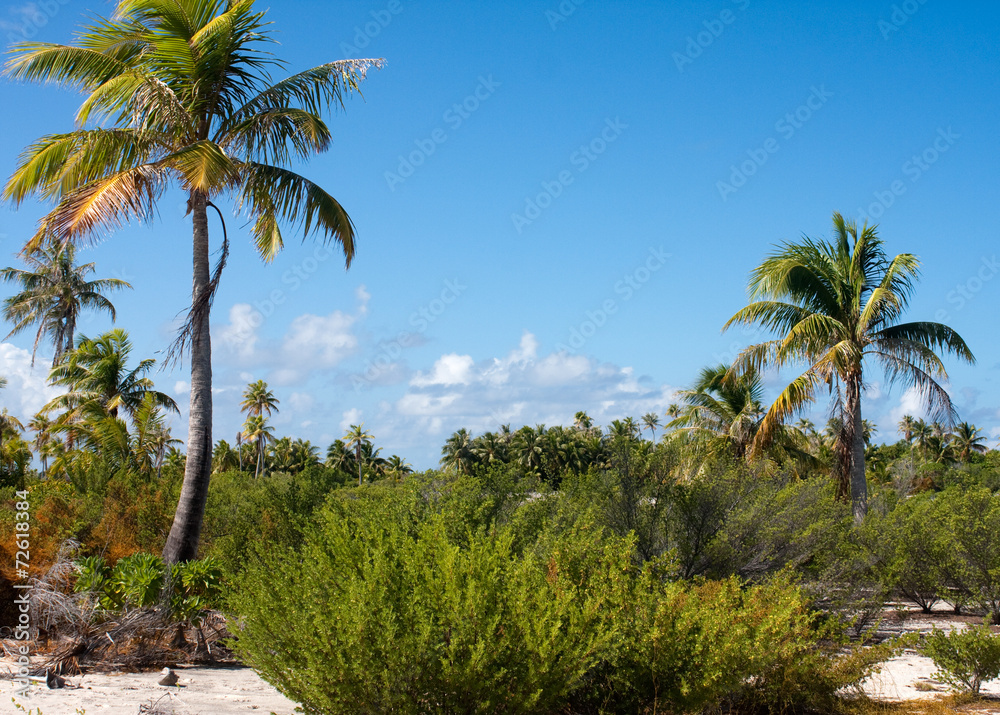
833 304
652 421
527 448
258 404
99 382
357 437
54 290
582 421
722 409
256 430
968 439
9 425
397 467
906 426
338 456
258 401
224 458
41 425
188 90
458 452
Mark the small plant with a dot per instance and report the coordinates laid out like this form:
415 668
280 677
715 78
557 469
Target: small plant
139 579
965 659
197 587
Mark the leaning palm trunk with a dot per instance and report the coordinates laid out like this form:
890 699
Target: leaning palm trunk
182 542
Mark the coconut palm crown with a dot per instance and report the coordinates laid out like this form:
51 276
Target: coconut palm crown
834 304
185 90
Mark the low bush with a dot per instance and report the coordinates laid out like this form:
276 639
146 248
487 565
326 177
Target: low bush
966 659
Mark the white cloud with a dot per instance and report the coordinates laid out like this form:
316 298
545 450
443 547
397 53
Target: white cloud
350 417
27 389
451 369
240 336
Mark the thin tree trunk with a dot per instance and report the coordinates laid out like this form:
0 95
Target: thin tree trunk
182 542
859 485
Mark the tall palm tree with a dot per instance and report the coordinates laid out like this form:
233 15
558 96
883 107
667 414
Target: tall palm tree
54 291
187 88
397 467
357 437
834 303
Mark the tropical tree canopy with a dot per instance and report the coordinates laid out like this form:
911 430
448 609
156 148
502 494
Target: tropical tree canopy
833 304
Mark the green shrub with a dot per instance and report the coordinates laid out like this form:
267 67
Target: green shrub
382 611
138 579
966 659
197 588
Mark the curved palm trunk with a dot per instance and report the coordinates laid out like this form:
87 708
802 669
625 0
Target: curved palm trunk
182 542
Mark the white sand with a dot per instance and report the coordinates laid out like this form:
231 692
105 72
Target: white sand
200 691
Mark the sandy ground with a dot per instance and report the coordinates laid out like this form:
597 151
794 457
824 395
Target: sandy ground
235 690
199 691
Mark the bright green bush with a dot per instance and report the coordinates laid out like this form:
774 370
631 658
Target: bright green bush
382 611
966 659
138 581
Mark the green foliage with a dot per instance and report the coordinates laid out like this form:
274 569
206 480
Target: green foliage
197 587
965 659
972 523
411 621
138 579
528 608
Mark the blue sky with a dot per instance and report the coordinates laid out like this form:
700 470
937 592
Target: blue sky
558 206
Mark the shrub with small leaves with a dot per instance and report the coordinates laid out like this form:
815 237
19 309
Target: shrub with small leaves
966 659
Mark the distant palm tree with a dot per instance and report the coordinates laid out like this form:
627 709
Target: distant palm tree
224 458
41 425
258 400
906 426
338 456
256 430
582 421
357 437
651 420
9 426
527 448
833 304
458 452
968 439
54 291
491 448
99 381
397 468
